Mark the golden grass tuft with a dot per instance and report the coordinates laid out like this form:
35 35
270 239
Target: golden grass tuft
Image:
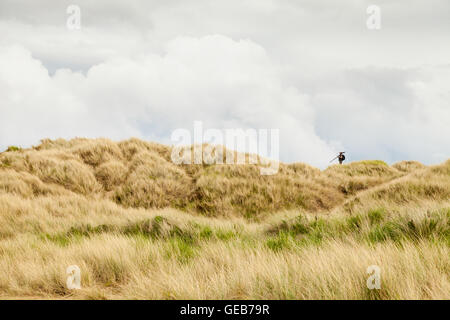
408 166
111 174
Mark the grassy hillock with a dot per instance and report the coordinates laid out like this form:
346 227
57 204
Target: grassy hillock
139 174
140 226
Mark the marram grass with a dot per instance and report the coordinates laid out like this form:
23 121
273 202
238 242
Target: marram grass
140 227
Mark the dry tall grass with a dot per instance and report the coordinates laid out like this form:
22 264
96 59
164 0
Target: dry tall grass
139 226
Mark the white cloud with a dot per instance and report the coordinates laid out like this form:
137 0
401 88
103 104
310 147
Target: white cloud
310 68
224 83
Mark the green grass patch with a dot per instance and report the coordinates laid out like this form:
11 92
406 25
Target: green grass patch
180 249
282 241
373 226
376 215
225 235
13 149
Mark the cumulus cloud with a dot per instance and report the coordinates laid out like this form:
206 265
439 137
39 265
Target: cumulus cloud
35 105
224 83
315 72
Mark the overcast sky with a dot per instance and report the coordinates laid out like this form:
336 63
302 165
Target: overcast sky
310 68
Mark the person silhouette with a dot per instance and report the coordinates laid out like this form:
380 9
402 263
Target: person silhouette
341 157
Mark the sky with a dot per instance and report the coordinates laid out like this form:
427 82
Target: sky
311 68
